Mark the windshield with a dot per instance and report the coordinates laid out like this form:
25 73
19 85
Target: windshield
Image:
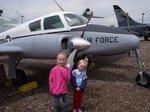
75 20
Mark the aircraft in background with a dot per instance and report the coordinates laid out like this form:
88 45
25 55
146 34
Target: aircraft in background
127 23
44 37
7 23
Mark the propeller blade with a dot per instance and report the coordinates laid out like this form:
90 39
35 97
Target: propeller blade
59 5
97 17
70 60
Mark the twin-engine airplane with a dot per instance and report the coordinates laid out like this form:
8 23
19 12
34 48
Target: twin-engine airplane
127 23
44 37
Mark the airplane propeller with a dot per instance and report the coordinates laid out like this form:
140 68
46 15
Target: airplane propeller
89 14
76 45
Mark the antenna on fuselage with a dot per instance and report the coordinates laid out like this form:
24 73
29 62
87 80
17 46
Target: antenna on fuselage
59 5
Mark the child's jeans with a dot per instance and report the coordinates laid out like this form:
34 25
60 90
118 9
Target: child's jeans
61 105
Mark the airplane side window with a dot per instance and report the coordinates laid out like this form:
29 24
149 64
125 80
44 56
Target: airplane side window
35 26
53 22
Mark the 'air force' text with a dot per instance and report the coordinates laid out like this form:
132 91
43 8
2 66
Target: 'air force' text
103 40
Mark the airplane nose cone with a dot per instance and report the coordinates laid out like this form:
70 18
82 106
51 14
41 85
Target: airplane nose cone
133 42
127 43
79 43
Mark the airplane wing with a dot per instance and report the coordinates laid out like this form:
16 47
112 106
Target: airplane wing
10 50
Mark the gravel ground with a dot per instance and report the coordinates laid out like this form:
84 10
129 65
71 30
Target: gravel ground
111 87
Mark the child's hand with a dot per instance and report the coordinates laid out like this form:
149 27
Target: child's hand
78 89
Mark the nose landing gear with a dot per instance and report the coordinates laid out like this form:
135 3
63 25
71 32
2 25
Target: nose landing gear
143 78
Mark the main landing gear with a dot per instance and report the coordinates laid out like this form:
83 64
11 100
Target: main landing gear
143 78
18 76
21 78
146 38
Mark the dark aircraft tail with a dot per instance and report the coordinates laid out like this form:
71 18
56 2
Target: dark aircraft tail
123 18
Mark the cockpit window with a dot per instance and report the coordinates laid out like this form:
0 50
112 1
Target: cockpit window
75 20
53 22
35 26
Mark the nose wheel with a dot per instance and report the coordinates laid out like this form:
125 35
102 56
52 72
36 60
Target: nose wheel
143 80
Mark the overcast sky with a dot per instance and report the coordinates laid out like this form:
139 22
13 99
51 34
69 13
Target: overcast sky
31 9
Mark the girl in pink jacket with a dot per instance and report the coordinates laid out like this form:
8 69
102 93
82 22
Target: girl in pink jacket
58 79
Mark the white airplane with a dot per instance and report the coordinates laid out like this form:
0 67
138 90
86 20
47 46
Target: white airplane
44 37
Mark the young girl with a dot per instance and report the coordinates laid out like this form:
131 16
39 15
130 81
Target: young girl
78 81
58 79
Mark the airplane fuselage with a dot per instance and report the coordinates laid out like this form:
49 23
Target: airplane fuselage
42 38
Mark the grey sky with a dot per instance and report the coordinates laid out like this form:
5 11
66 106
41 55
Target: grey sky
36 8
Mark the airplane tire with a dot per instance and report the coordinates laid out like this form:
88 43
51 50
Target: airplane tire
146 82
21 78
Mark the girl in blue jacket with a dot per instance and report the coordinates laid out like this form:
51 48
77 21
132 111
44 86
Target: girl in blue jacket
78 82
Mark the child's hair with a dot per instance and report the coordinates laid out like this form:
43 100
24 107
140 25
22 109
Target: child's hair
62 53
85 61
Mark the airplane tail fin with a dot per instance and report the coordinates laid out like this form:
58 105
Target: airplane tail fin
123 18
